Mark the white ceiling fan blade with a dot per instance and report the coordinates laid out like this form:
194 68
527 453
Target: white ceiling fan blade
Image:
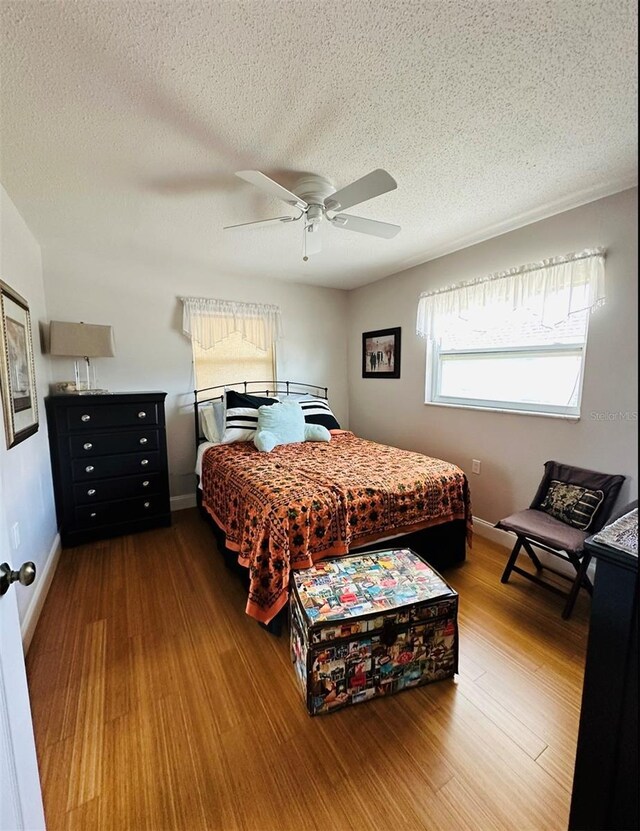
365 226
312 242
373 184
254 177
260 223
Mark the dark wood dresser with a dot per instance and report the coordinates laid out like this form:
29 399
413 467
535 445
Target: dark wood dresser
605 783
109 462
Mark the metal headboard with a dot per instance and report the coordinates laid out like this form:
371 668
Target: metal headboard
206 394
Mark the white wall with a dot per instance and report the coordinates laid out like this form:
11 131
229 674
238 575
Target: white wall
25 469
512 447
138 296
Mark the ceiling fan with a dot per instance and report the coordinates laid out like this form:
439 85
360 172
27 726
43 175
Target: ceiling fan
318 201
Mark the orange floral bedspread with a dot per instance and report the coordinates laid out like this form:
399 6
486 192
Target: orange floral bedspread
302 502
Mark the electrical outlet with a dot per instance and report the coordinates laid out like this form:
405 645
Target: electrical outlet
475 465
15 534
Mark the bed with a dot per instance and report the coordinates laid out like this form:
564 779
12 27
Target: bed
283 510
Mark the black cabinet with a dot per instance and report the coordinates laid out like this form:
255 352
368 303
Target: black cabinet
605 784
109 462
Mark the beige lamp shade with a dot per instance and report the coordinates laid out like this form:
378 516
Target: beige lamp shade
80 340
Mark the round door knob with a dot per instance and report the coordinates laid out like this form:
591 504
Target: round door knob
144 462
142 414
87 445
25 575
89 468
147 504
143 440
145 484
85 417
91 491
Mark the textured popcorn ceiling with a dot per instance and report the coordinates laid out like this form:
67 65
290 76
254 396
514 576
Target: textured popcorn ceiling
122 122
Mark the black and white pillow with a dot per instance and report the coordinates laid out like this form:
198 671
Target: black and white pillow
241 415
318 411
572 504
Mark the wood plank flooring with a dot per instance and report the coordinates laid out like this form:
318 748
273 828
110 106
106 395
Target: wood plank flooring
158 704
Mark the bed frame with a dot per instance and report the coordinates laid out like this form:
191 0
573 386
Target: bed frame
441 545
209 394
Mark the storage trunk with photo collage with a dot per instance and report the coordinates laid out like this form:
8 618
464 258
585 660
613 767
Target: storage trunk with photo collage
370 625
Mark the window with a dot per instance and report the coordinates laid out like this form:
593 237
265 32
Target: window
518 344
231 341
233 359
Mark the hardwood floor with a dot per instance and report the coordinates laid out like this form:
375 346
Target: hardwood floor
158 704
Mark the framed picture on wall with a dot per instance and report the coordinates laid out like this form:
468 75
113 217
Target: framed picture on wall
381 353
17 370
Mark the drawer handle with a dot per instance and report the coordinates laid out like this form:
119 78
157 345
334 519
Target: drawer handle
143 440
87 445
145 484
147 504
142 414
85 417
93 514
89 469
91 491
144 462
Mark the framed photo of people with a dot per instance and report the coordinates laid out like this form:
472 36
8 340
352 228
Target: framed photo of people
17 370
381 353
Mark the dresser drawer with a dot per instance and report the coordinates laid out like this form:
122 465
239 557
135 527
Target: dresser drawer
108 489
121 511
104 466
111 415
104 444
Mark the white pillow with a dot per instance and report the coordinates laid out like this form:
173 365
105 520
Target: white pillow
212 420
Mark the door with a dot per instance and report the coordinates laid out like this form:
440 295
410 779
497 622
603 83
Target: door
20 794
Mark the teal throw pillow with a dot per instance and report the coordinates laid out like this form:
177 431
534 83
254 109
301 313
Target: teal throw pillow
279 424
316 432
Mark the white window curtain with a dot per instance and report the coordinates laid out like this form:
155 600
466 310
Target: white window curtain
207 321
552 290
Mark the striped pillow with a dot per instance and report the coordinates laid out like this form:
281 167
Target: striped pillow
572 504
241 415
318 411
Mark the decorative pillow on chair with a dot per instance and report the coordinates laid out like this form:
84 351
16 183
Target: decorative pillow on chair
279 424
571 504
241 415
318 411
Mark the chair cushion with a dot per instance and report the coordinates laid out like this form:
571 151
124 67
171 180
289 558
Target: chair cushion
541 527
571 503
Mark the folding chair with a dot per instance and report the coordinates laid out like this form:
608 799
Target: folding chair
558 521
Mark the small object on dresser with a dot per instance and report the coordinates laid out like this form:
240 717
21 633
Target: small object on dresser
369 625
621 534
109 462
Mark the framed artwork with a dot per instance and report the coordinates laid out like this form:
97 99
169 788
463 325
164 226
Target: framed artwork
17 370
381 353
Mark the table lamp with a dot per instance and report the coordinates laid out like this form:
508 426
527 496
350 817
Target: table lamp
82 341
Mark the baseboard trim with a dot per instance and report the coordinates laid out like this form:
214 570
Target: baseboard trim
40 590
179 503
506 540
489 532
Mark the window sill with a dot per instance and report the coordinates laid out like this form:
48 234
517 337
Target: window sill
560 416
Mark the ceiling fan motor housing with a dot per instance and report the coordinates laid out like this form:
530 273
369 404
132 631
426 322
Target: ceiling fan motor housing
314 190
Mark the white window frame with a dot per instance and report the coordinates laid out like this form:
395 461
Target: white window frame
433 379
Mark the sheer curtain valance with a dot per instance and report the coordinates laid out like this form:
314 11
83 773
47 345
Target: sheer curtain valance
552 290
207 321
